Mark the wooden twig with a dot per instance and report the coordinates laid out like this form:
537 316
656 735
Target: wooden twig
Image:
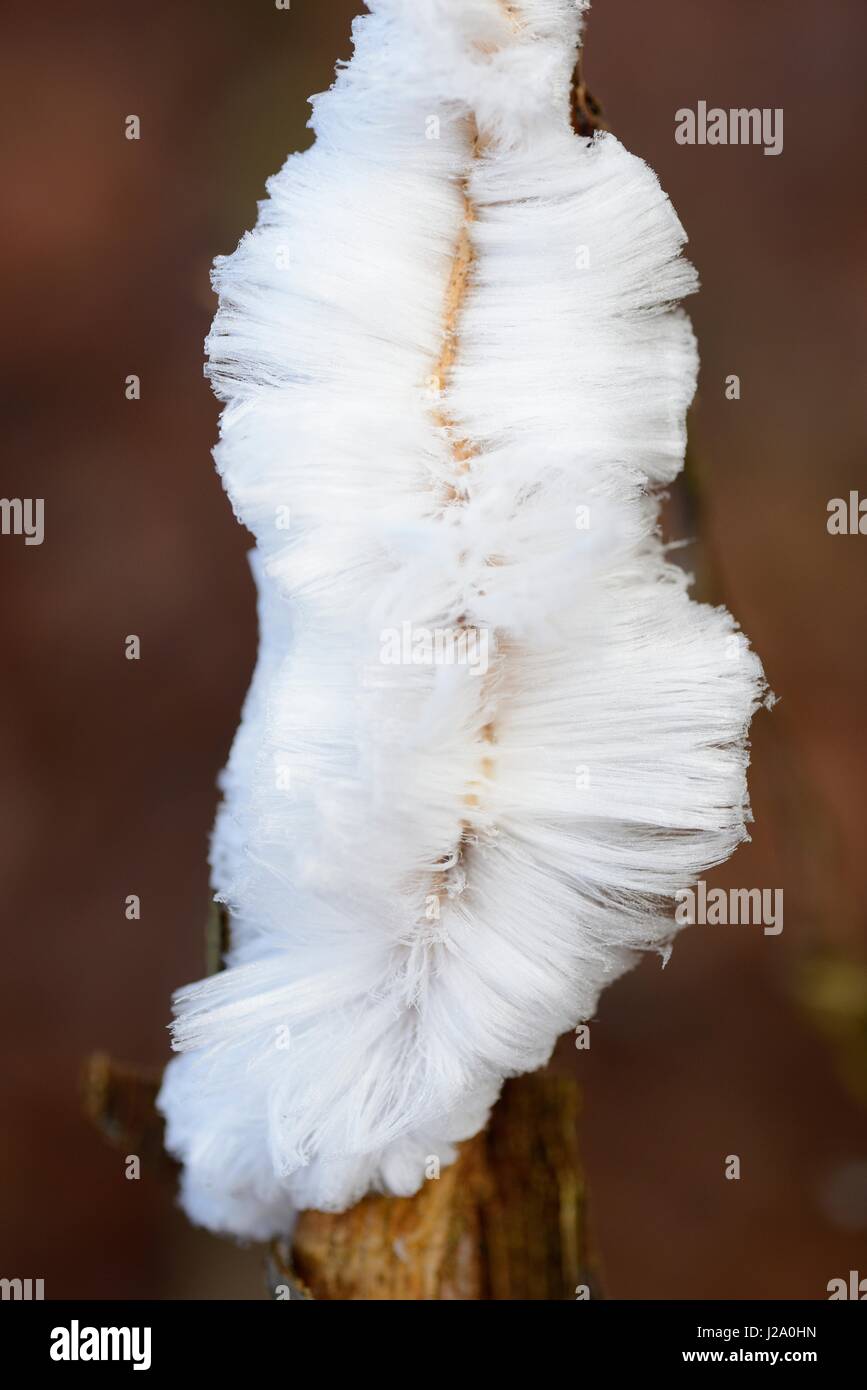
121 1101
505 1221
587 114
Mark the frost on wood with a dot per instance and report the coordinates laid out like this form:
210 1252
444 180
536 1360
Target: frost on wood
454 373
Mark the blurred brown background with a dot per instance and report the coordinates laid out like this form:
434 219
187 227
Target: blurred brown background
109 766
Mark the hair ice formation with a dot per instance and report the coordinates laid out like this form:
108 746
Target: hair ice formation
454 327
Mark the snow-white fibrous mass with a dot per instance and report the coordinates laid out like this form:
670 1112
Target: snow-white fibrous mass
489 735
